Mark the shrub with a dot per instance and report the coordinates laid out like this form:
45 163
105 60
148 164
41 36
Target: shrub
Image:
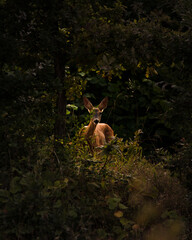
115 194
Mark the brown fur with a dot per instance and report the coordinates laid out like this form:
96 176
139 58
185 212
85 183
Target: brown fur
97 134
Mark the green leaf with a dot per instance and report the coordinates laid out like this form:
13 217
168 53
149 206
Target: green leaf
117 229
169 214
94 184
4 195
122 206
71 106
102 234
113 203
67 112
72 213
57 204
126 222
82 74
15 185
122 236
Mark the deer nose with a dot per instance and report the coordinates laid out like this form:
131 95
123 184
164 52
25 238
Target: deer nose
96 121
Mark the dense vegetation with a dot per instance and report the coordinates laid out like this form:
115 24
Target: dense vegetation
138 53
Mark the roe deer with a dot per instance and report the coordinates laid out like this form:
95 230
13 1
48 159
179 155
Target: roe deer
96 133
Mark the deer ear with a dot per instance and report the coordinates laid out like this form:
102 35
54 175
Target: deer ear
103 104
87 104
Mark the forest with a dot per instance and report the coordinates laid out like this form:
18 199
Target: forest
138 54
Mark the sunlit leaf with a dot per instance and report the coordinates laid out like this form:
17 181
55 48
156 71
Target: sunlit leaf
118 214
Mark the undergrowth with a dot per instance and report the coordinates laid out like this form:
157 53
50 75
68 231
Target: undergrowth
115 194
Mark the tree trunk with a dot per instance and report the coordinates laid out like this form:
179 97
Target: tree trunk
60 124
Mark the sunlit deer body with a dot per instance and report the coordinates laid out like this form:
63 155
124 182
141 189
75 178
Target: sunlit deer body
96 133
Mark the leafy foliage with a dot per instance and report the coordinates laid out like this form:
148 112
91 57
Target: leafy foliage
115 194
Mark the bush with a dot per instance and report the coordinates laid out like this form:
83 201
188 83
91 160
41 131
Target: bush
115 194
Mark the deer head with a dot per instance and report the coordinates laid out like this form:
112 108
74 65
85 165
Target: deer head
95 112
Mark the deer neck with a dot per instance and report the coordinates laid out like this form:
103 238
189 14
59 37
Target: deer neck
90 129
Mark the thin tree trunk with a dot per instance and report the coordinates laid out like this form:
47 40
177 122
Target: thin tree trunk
60 124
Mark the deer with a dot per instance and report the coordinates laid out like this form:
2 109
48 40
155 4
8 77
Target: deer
96 134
